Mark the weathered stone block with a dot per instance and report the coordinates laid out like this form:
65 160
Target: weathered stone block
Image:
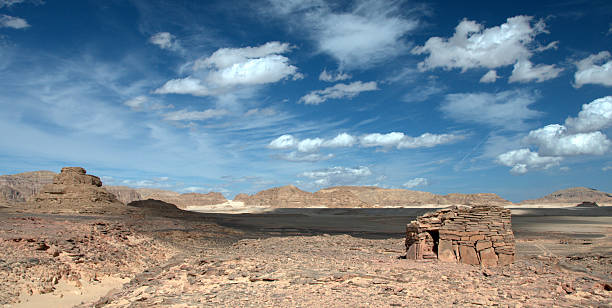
505 259
446 252
482 244
468 255
488 257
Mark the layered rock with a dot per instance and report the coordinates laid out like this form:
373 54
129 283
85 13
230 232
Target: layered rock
124 194
472 235
573 195
73 187
284 197
22 186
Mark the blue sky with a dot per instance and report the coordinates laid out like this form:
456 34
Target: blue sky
193 96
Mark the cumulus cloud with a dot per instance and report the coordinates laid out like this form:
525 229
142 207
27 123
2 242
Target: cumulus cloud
594 70
474 46
337 91
184 115
416 182
228 68
390 140
507 109
489 77
13 22
331 77
579 136
524 71
342 140
337 175
165 40
523 160
359 36
283 142
594 116
554 140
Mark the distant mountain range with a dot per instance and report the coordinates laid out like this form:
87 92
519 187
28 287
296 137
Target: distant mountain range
20 187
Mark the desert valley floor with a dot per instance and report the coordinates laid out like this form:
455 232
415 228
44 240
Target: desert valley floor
290 257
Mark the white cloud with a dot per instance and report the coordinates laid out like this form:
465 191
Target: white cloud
524 71
474 46
606 168
309 145
591 72
228 68
523 160
227 57
339 76
416 182
342 140
188 85
594 116
508 109
382 140
401 141
337 91
337 175
490 76
427 140
283 142
554 140
360 36
580 136
13 22
165 40
184 115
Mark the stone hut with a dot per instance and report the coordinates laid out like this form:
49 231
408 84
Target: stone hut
480 234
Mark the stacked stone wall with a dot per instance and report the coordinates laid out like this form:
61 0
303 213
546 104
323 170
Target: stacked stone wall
470 235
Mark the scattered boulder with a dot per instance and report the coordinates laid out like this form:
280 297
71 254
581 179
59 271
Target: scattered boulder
475 235
587 204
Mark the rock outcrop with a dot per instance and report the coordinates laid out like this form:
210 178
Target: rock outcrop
124 194
587 204
472 235
573 195
73 188
361 197
22 186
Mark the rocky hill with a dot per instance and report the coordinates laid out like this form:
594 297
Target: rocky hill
20 187
127 195
361 196
573 195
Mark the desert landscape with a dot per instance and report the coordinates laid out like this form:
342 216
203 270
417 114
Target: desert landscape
70 241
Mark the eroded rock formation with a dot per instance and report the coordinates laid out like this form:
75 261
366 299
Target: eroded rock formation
471 235
127 194
74 187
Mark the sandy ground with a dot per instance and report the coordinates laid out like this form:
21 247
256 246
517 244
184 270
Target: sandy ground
292 257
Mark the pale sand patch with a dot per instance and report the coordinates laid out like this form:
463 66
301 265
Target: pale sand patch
67 294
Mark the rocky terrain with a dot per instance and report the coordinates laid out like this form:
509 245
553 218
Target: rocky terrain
360 196
573 195
76 245
20 187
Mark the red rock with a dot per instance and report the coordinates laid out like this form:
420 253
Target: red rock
445 251
480 245
504 259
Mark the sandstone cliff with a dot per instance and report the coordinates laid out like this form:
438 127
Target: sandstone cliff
20 187
573 195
